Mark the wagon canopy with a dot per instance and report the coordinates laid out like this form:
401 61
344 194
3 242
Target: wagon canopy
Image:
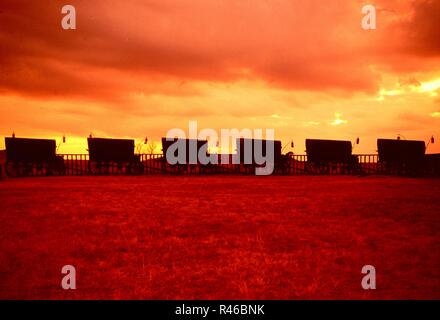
111 150
326 151
401 151
190 146
30 150
247 146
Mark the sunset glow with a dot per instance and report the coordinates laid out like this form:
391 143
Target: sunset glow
139 68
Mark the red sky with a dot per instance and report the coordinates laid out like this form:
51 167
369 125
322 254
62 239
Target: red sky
139 68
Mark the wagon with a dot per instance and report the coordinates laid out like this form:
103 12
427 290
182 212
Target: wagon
184 155
432 164
30 157
247 151
113 156
330 156
405 157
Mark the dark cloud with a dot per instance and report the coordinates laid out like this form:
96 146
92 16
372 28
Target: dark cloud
135 46
423 28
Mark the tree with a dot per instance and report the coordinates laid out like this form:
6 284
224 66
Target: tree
151 147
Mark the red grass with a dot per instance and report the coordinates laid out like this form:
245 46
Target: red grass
222 237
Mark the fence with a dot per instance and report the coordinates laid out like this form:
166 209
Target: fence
78 164
154 164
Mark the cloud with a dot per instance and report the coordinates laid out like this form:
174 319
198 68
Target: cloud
422 29
121 47
338 120
311 123
136 67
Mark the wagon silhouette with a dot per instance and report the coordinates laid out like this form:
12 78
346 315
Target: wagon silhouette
108 156
330 156
182 156
432 164
247 149
30 157
405 157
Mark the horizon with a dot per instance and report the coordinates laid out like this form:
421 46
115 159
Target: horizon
79 145
303 69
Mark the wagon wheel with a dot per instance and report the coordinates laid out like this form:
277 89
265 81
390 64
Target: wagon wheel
181 168
249 169
40 168
308 168
135 168
57 167
27 169
357 168
283 165
164 166
97 167
354 166
392 168
105 167
325 168
118 167
18 169
12 169
313 168
93 167
288 162
207 168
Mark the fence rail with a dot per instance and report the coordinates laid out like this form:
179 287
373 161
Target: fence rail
78 164
297 164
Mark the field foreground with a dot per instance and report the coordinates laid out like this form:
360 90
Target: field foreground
220 237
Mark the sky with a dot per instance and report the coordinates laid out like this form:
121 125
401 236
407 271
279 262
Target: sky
136 69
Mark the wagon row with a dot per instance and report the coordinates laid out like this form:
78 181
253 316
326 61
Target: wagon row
29 157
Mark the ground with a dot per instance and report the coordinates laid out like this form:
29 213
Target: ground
220 237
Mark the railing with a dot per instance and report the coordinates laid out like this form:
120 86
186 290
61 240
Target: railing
78 164
365 164
369 163
293 164
153 163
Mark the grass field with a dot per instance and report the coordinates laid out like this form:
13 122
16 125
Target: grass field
220 237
